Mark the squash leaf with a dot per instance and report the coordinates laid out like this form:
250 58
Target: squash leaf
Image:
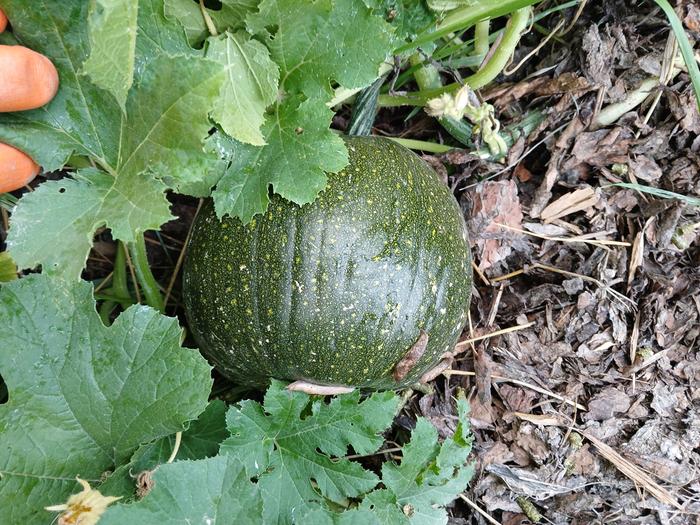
137 102
429 475
201 440
343 42
292 155
409 17
286 458
212 491
82 396
249 87
155 145
295 446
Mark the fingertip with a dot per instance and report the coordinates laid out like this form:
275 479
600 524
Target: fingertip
30 80
3 21
49 86
17 169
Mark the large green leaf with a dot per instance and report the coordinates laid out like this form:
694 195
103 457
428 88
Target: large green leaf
82 396
429 475
147 138
155 145
289 444
342 42
73 208
409 17
292 448
201 440
293 161
215 491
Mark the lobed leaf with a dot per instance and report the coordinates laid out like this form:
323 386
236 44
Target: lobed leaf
295 446
200 441
82 396
300 149
290 452
429 475
250 85
156 145
341 43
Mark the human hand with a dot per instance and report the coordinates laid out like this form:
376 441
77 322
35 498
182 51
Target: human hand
29 80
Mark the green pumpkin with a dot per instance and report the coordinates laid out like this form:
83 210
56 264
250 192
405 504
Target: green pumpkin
335 292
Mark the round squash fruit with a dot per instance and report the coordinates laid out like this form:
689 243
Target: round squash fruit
368 286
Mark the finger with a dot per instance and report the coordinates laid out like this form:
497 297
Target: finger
3 21
16 168
29 80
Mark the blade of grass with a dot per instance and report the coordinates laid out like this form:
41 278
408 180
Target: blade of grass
422 145
684 45
658 192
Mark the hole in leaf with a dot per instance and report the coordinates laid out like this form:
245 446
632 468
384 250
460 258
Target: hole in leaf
3 392
214 5
61 190
272 30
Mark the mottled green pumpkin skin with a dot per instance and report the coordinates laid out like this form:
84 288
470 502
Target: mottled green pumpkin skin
336 291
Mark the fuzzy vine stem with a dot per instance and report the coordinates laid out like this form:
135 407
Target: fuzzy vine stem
426 74
503 53
119 282
119 288
428 77
490 70
176 447
148 283
422 145
481 38
106 310
466 17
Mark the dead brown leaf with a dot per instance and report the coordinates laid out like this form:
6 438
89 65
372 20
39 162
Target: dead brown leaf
409 360
494 202
569 203
603 147
645 168
583 462
607 403
692 19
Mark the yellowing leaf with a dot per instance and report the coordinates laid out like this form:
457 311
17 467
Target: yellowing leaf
250 86
112 26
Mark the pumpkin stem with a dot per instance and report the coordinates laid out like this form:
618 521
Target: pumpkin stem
364 110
